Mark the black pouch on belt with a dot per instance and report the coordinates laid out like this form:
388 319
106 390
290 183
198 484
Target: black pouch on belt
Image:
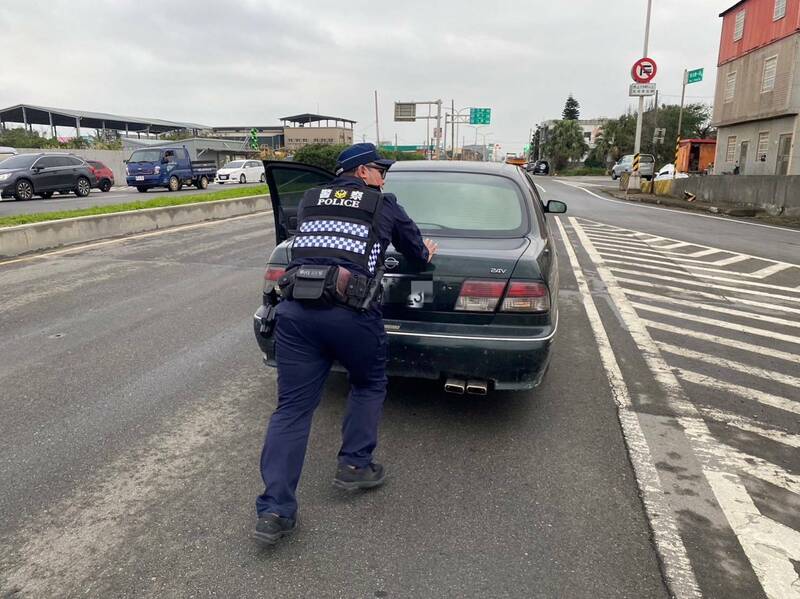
309 284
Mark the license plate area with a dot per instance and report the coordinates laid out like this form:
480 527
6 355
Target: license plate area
140 177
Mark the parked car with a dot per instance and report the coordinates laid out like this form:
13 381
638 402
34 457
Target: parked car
667 171
540 167
243 171
104 175
167 167
6 152
27 175
484 313
647 164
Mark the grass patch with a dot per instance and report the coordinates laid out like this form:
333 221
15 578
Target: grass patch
582 171
159 202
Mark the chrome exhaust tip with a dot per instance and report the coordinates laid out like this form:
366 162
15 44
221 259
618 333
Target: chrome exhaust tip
455 386
476 387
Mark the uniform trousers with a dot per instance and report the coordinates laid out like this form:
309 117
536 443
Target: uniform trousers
308 340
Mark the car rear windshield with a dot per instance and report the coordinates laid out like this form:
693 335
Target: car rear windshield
236 164
146 156
461 204
21 161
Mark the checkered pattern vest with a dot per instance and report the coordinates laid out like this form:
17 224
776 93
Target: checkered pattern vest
340 222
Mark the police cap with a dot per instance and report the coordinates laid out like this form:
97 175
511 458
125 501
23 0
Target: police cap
358 154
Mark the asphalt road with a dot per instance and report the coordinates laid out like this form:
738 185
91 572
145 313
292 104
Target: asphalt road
118 195
662 444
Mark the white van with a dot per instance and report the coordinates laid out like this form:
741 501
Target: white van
6 152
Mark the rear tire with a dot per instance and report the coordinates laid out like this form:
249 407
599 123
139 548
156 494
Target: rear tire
263 178
83 188
105 186
141 189
23 190
613 176
242 178
174 183
202 183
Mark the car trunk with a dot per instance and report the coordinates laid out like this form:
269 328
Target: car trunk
432 294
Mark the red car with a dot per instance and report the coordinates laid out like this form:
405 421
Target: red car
105 176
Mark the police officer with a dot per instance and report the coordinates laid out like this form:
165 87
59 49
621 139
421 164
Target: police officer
331 311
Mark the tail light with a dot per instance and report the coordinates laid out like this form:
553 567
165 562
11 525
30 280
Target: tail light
480 296
271 276
521 296
526 296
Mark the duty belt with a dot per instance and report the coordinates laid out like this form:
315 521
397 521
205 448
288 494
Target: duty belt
321 286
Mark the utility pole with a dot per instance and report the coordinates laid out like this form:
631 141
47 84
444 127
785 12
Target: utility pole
377 129
428 135
635 178
453 129
680 123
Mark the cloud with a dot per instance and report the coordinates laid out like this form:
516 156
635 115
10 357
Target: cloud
254 61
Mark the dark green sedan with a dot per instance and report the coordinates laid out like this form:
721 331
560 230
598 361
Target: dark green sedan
483 315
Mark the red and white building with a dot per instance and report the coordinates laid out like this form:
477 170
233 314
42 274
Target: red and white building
757 99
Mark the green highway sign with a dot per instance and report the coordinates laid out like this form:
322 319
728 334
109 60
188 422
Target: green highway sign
694 76
480 116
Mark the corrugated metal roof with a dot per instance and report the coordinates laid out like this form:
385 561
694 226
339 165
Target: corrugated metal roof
727 10
65 117
308 117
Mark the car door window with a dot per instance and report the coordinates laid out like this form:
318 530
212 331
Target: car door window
47 162
73 161
287 183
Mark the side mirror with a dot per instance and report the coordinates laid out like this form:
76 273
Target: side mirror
36 169
555 207
125 161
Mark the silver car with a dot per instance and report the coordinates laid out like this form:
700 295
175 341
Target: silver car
625 165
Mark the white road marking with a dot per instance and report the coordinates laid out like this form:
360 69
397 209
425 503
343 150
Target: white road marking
701 275
712 308
706 285
769 545
632 205
716 460
717 323
540 188
84 246
677 567
649 250
716 296
767 271
673 246
767 399
637 257
763 373
751 426
732 343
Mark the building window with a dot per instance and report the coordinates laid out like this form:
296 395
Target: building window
780 10
738 30
768 76
730 151
730 87
763 144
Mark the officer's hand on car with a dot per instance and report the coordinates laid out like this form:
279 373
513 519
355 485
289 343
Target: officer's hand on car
432 246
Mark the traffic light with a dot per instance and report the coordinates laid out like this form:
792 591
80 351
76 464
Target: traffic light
254 139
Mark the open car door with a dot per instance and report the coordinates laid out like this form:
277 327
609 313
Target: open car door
287 182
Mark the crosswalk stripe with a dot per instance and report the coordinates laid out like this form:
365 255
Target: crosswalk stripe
648 251
732 343
706 285
769 545
751 426
770 375
673 246
701 306
767 271
767 399
715 296
637 257
718 323
707 276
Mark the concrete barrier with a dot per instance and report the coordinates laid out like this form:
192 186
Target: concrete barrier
776 195
35 237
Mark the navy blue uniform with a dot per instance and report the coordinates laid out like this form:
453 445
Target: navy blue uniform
308 340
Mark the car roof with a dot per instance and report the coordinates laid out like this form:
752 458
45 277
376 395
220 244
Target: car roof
458 166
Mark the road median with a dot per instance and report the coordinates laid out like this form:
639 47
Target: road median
63 231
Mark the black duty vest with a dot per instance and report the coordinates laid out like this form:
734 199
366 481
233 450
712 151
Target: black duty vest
340 222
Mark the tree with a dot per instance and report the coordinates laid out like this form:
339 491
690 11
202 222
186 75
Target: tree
536 141
564 143
321 155
21 138
572 110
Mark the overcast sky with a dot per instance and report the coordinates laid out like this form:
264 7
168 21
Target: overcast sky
250 62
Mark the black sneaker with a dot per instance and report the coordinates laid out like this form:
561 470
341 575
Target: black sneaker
351 478
270 528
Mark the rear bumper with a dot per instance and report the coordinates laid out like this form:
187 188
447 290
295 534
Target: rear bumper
508 362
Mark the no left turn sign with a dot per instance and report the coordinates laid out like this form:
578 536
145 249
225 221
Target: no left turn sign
644 70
